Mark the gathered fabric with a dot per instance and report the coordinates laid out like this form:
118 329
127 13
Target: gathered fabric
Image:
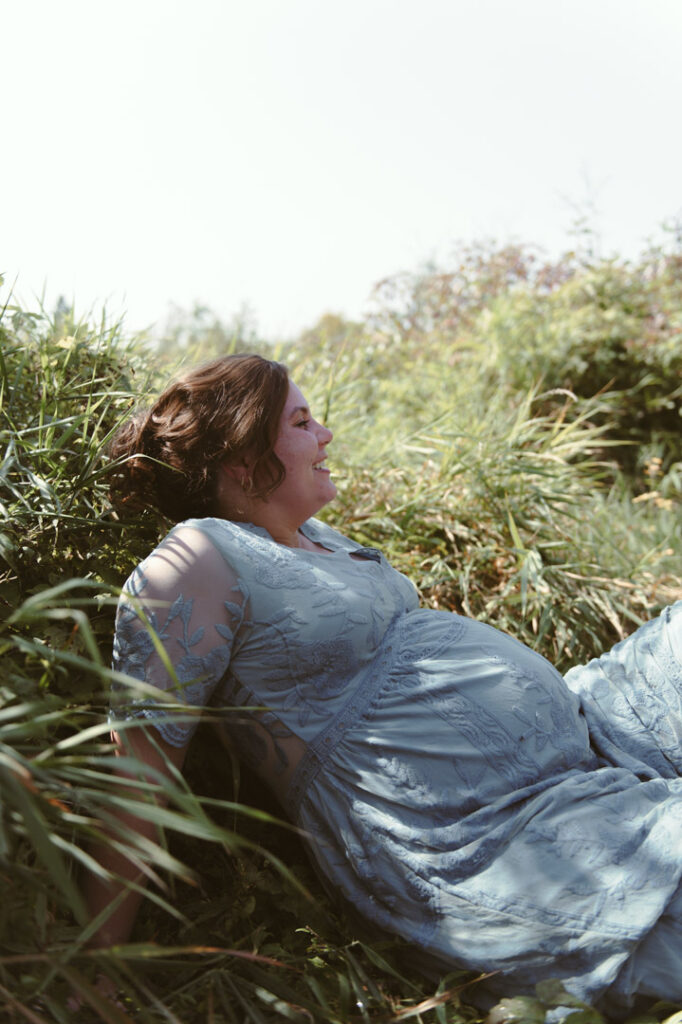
455 788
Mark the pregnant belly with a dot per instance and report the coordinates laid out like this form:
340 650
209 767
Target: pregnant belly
465 716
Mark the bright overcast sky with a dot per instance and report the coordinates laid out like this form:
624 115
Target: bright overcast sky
287 154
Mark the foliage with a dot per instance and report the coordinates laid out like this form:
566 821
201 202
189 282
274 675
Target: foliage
506 431
200 335
610 331
595 327
64 388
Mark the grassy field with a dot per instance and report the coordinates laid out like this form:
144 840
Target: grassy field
507 431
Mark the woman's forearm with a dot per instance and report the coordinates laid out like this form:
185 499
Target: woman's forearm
122 879
100 891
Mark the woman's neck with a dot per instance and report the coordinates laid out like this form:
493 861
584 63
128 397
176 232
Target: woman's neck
283 525
289 538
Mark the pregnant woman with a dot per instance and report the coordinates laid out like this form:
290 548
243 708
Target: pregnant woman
455 788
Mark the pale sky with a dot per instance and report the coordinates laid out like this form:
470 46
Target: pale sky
288 154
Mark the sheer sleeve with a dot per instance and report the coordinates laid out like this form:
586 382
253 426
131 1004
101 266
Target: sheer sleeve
176 621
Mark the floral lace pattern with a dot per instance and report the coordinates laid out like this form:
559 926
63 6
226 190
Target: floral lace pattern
456 789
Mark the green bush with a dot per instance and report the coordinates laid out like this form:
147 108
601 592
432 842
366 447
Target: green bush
504 318
613 330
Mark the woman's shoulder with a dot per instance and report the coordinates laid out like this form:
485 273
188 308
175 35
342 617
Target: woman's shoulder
209 548
188 552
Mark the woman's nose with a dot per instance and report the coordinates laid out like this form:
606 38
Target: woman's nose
325 435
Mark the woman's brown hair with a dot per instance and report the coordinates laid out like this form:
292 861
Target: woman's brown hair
228 409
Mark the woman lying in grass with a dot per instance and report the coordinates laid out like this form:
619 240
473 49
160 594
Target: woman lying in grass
454 787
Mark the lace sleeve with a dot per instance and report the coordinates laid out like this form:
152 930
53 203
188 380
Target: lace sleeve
175 624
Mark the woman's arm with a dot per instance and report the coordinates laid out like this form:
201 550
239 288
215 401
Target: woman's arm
155 754
177 615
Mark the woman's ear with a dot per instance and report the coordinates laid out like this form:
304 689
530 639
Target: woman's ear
237 471
233 485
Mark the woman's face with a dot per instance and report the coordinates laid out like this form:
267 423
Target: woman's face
301 448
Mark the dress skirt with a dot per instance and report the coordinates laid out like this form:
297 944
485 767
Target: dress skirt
504 818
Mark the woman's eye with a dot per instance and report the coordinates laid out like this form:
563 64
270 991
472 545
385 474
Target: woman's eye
303 423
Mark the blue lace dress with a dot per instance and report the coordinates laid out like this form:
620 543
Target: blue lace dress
457 790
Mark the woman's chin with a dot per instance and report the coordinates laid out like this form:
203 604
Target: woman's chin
328 494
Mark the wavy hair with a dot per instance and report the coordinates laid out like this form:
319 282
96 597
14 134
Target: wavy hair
167 456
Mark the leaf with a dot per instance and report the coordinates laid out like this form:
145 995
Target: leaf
552 993
28 804
518 1010
586 1016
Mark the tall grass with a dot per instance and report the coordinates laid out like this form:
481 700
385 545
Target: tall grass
489 472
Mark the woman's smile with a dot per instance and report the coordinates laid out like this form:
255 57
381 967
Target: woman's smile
301 447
